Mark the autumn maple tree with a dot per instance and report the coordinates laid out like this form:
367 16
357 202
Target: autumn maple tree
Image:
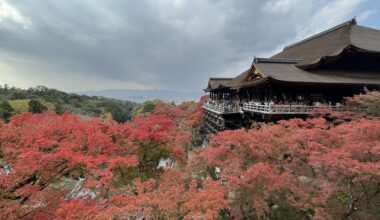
38 150
68 167
298 165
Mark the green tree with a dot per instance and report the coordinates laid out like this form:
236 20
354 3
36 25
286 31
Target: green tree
36 107
120 111
18 95
20 105
367 104
147 106
5 110
118 114
58 108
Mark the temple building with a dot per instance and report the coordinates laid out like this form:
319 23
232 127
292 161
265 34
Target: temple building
315 73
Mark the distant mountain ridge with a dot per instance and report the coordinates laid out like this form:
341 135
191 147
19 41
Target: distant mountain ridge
143 95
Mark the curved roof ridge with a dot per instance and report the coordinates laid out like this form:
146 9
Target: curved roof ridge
275 60
220 78
365 38
350 22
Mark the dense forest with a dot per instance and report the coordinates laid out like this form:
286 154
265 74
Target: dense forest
158 166
15 101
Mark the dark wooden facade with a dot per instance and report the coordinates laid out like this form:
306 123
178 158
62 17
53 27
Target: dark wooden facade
318 72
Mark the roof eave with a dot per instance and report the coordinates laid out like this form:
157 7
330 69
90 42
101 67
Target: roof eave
317 62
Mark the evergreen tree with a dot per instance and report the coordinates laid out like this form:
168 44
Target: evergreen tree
58 108
5 110
148 106
36 107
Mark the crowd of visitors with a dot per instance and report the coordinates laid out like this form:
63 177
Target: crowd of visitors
234 105
224 105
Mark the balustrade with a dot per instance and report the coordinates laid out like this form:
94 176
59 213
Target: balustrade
288 109
222 107
226 107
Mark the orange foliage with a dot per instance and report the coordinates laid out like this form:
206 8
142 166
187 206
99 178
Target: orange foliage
302 165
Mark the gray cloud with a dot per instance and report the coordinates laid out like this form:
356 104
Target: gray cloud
163 44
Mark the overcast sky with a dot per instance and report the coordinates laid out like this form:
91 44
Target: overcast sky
176 45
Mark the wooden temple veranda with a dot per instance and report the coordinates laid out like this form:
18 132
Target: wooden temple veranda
315 73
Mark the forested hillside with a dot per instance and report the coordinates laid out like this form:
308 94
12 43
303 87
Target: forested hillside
14 101
156 167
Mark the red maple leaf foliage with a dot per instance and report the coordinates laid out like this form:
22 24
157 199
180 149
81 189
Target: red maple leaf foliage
40 149
164 198
66 167
304 164
205 201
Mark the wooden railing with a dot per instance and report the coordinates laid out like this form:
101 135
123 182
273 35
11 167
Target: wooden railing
288 109
222 108
228 108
